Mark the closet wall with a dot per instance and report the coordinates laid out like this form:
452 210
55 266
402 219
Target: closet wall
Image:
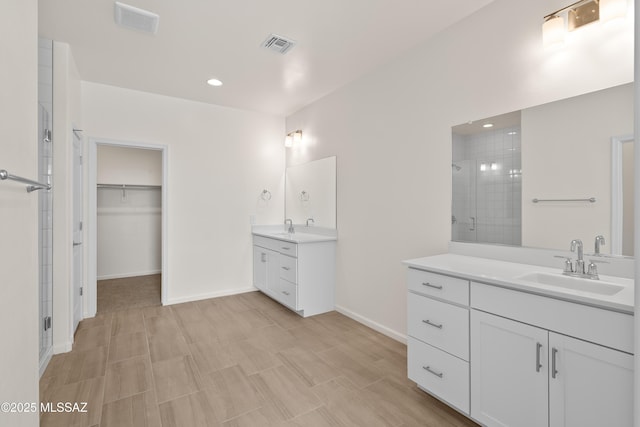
129 220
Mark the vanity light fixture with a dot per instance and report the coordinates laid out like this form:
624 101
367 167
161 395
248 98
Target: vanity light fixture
292 138
580 13
483 167
494 166
214 82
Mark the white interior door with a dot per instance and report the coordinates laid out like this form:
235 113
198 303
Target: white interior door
77 231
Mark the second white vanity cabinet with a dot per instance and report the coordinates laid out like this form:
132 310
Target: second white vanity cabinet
531 360
301 276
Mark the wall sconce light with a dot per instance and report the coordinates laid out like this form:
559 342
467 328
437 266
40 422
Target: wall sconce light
483 167
292 138
578 14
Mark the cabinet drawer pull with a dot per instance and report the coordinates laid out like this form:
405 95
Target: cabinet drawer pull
286 268
286 248
430 323
554 371
432 286
538 364
431 371
286 293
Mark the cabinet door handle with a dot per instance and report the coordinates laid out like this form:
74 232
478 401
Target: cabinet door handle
286 268
554 371
431 371
286 293
538 364
263 257
429 285
430 323
285 248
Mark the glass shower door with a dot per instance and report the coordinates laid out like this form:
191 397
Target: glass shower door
464 220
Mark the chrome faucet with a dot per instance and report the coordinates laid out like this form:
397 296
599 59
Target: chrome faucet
577 244
599 242
312 221
291 230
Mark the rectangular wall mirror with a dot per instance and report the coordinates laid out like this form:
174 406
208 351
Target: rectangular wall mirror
310 193
548 174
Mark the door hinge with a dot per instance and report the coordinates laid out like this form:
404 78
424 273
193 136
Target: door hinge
47 323
81 290
81 159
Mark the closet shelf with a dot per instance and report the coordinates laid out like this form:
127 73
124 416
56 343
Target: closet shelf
129 186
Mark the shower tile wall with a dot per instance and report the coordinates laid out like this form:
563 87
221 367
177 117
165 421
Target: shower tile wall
45 162
498 192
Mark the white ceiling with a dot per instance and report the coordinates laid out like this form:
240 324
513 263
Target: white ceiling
337 41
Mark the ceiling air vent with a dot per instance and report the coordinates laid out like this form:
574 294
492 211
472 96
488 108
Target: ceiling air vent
136 19
278 43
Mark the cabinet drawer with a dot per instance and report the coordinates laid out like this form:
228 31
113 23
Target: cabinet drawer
440 286
441 374
439 324
288 268
281 246
287 294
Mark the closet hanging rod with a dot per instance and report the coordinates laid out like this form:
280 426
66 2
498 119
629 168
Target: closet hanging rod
590 200
129 186
33 185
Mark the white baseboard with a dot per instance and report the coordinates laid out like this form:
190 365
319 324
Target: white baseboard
372 324
125 275
217 294
64 347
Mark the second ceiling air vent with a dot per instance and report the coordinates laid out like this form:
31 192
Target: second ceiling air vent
278 43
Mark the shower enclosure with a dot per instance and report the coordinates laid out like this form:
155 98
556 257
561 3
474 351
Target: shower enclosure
45 199
486 186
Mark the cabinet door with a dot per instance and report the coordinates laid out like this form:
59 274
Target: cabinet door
591 385
259 268
508 372
273 272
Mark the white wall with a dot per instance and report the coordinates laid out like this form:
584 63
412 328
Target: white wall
220 160
121 165
566 154
391 132
18 209
67 115
129 233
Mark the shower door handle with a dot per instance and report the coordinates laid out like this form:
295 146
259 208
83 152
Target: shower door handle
77 243
473 223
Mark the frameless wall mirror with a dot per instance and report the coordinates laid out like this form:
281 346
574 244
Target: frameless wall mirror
548 174
310 193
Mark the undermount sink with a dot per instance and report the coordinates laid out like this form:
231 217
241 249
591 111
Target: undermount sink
573 283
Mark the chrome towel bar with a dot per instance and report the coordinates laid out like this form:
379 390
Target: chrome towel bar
590 200
33 185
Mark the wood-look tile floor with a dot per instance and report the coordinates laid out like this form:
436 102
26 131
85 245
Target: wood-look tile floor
242 360
128 292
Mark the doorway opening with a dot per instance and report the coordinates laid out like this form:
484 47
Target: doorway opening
127 204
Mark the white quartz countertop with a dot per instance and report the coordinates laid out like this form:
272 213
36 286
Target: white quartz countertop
509 275
296 237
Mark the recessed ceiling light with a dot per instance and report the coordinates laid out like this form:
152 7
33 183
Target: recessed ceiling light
214 82
487 125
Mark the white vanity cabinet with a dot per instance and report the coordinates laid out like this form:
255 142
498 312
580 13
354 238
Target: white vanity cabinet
301 276
438 342
511 358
